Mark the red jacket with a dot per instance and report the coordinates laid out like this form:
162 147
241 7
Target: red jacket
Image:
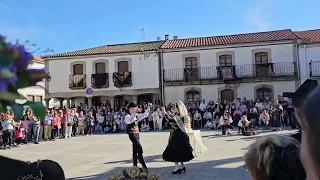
17 135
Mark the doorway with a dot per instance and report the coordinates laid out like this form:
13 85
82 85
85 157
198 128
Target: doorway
227 94
119 101
144 98
96 100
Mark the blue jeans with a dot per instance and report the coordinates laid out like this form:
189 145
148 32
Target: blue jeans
36 132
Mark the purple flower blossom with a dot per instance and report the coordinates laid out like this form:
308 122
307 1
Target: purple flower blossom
3 85
25 58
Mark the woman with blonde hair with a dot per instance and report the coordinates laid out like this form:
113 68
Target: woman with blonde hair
274 157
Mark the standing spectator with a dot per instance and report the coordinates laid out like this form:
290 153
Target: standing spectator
264 119
75 122
7 126
36 129
90 121
47 126
81 123
203 107
69 123
25 123
56 125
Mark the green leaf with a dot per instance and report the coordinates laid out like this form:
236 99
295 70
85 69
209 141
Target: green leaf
38 108
5 59
23 80
17 110
10 96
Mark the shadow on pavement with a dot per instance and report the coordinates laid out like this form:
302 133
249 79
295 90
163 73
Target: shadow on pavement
195 170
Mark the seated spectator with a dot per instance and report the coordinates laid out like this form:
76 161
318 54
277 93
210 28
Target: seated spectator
246 127
19 136
145 127
114 127
107 128
264 119
274 157
98 129
208 125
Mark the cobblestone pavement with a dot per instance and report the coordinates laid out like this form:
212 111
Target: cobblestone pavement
95 157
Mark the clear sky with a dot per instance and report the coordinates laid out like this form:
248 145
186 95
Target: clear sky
66 25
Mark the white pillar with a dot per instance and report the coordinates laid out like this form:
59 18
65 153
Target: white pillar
89 102
61 102
73 102
112 102
135 99
68 103
47 102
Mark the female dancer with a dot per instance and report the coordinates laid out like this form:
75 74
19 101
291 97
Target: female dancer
178 149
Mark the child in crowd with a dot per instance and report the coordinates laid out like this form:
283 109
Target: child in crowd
107 129
19 136
98 129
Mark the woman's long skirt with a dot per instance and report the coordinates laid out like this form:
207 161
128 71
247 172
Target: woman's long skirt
178 148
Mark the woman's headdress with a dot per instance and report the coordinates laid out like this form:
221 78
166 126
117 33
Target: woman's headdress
182 109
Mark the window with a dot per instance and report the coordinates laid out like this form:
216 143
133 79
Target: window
39 99
193 96
263 93
191 62
30 98
123 66
100 68
78 69
261 58
225 60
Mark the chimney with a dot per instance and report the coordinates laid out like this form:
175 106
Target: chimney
166 37
175 37
158 38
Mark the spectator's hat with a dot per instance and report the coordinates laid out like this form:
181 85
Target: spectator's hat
132 105
301 93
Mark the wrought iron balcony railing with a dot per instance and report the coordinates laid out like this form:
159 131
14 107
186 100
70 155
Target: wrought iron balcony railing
100 80
314 68
247 71
123 79
77 81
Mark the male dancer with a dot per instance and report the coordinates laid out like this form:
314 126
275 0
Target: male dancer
131 121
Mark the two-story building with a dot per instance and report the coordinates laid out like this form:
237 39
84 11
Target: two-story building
115 74
35 93
309 54
253 65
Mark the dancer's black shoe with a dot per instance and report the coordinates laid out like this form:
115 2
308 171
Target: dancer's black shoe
183 169
177 171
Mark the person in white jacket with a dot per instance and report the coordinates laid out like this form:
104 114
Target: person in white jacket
225 123
159 120
155 118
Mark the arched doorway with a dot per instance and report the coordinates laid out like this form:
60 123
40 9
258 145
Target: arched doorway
264 92
227 94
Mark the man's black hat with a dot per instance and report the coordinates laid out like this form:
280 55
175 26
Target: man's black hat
132 105
302 92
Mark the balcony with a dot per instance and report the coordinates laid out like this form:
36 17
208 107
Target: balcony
230 74
123 79
77 81
100 80
314 69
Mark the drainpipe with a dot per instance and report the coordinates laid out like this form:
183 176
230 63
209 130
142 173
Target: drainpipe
160 58
298 61
306 61
162 77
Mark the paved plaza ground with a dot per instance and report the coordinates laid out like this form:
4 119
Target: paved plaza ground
97 156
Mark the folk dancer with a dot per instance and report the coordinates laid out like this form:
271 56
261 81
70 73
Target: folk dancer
276 114
245 127
225 123
178 149
131 120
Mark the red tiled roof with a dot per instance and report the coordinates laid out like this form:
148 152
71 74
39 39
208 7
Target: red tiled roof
37 59
279 35
309 36
112 49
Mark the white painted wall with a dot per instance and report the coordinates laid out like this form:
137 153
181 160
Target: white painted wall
145 73
210 92
243 55
306 55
